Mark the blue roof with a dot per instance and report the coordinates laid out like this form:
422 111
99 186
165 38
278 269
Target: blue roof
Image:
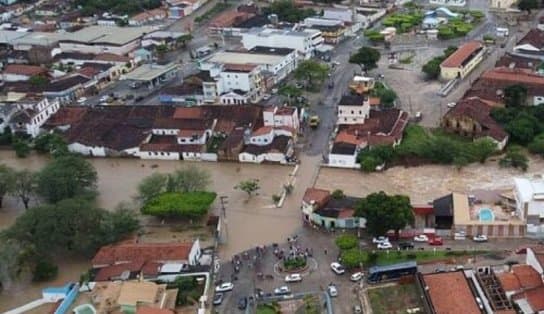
64 289
393 266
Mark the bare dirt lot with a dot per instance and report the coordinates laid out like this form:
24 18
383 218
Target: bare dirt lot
424 183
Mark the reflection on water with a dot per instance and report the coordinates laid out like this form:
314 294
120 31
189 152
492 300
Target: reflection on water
249 221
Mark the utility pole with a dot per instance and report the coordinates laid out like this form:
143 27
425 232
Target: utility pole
224 202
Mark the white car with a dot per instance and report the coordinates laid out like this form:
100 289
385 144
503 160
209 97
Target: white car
356 276
274 91
451 104
380 239
293 278
480 238
82 100
226 286
104 98
421 238
337 268
331 289
384 246
266 96
282 290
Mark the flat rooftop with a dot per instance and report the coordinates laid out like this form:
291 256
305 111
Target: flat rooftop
113 35
234 57
450 293
148 72
465 213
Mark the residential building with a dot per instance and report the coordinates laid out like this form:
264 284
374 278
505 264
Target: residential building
128 296
245 79
471 117
280 150
281 117
66 89
188 93
168 39
148 16
531 45
353 109
535 258
460 63
304 42
152 75
321 209
497 79
519 278
501 4
104 39
32 114
529 195
457 212
361 84
382 127
448 292
22 72
226 20
344 15
517 62
277 61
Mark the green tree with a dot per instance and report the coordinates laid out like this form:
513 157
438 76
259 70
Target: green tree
369 163
523 128
152 186
366 57
7 179
432 68
515 95
287 11
249 186
21 147
527 5
16 259
311 71
483 148
66 177
346 241
383 212
188 179
45 271
24 186
179 205
161 50
337 194
50 143
387 97
290 92
352 258
184 39
514 158
535 147
38 81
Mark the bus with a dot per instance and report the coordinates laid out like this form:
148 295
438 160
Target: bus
388 272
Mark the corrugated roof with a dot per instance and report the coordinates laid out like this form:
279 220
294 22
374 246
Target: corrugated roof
457 58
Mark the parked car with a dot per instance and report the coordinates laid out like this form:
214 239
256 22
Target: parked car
451 104
331 289
380 239
406 245
421 238
266 96
480 238
357 309
226 286
356 276
242 303
134 85
283 290
384 246
337 268
436 241
274 91
293 278
299 85
218 298
104 98
81 100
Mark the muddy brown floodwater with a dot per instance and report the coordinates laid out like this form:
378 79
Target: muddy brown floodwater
250 221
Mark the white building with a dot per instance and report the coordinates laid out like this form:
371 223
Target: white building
344 155
243 79
353 109
529 195
281 116
32 115
100 39
278 61
305 42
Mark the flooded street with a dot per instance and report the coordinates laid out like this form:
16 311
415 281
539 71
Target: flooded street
250 221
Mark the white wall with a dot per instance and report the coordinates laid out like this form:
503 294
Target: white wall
353 114
87 150
304 45
194 254
263 139
160 155
96 49
235 80
11 77
533 261
343 161
165 131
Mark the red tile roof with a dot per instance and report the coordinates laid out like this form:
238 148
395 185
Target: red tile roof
109 272
239 67
188 113
528 277
228 18
374 101
460 56
319 196
509 281
346 213
262 131
23 69
534 37
522 76
423 210
474 108
534 296
146 252
450 293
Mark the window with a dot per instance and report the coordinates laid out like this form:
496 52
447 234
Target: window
360 112
352 112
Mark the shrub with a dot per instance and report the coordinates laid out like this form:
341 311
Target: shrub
352 258
294 263
179 205
45 271
346 241
337 194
